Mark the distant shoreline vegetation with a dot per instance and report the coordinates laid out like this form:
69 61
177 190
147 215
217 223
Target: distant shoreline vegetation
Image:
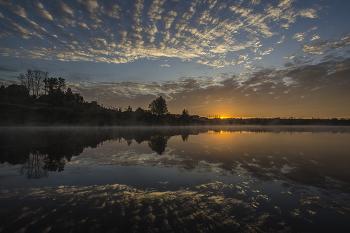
41 101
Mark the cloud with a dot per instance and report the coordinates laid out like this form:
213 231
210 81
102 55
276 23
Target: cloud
65 8
323 47
242 58
64 14
266 52
255 2
155 10
315 37
215 63
281 39
42 11
15 9
107 31
301 35
308 13
22 32
91 5
164 65
114 11
4 34
291 57
169 19
219 49
253 92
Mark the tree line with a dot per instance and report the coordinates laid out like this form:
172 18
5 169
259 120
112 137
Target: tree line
36 85
48 103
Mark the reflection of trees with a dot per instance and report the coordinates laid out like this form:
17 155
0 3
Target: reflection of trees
34 167
158 143
28 147
55 143
38 165
185 137
54 163
129 142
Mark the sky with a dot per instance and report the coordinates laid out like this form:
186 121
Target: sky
253 58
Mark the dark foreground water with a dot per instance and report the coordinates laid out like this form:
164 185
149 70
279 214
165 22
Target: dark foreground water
193 179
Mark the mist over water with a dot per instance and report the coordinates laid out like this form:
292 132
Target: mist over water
175 179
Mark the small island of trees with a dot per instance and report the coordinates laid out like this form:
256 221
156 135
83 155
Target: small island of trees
40 100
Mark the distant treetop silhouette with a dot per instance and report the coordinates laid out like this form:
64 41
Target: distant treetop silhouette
158 106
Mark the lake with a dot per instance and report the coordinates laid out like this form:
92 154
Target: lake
175 179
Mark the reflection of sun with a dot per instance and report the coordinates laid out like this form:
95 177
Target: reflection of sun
227 133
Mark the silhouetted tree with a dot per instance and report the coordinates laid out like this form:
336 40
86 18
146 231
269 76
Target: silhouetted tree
55 86
38 80
2 89
140 114
15 93
46 85
2 93
78 98
17 90
33 80
140 110
52 84
185 113
158 106
27 80
61 83
69 95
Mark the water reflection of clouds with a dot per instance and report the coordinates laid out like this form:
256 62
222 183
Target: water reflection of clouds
268 182
208 207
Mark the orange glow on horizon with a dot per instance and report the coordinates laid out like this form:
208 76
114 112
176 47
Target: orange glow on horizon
219 116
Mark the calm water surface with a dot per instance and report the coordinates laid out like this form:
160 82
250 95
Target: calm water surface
193 179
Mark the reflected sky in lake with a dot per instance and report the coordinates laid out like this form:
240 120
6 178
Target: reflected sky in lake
176 179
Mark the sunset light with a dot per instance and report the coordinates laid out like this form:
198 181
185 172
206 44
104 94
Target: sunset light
223 117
